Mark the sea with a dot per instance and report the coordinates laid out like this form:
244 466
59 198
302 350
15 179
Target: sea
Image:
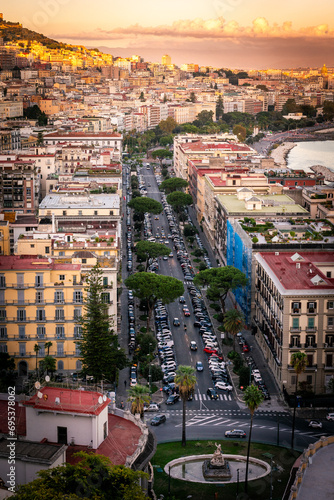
306 154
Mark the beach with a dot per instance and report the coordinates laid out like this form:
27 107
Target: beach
280 153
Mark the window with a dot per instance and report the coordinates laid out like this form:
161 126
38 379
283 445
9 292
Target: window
74 279
295 322
21 315
59 297
296 307
77 350
59 314
40 315
295 341
39 298
62 277
20 280
41 332
310 341
309 379
3 314
39 280
3 348
77 332
329 360
105 281
2 281
310 360
329 274
3 332
22 348
310 322
329 340
84 261
60 365
20 297
32 246
60 332
77 313
311 307
80 212
47 249
105 298
22 332
111 212
95 212
2 297
60 349
64 212
330 304
330 323
61 254
41 352
77 297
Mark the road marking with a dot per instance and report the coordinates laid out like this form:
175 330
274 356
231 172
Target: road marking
233 423
223 422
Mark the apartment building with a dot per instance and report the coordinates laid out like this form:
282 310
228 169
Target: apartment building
294 311
11 109
101 139
19 186
41 301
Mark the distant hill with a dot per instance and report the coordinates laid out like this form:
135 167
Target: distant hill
14 32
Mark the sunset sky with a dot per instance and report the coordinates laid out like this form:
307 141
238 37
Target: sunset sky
221 33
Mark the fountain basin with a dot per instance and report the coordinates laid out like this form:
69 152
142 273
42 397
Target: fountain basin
190 469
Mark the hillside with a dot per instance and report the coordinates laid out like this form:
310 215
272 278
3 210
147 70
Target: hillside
14 32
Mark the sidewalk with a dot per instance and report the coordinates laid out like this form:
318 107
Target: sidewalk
318 479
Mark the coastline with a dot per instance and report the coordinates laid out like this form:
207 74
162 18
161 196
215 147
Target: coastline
280 154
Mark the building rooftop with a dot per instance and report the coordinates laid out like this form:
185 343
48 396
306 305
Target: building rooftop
301 270
30 451
55 200
29 262
68 401
273 205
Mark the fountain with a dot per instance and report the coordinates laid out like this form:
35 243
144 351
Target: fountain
216 468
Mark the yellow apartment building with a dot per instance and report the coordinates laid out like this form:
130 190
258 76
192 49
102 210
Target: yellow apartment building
40 301
4 238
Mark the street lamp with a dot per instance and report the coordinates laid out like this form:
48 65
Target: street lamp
149 366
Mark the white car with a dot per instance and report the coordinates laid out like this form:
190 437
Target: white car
223 386
152 407
330 416
315 424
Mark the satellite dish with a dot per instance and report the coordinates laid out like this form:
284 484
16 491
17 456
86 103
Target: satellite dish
39 395
37 385
100 400
47 378
50 260
104 397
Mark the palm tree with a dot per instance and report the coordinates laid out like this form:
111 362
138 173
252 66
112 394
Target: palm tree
185 380
299 363
47 346
253 398
37 348
138 395
233 323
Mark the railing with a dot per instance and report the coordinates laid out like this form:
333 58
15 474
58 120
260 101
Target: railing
295 345
310 345
311 329
294 329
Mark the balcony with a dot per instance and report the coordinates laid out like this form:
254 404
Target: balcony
295 329
311 329
295 345
310 345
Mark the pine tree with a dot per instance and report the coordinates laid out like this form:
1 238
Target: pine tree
100 352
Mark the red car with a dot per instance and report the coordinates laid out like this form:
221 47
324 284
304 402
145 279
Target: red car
186 311
208 350
245 348
215 355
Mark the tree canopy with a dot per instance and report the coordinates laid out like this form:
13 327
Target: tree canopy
220 280
240 132
145 204
161 154
94 476
185 380
99 348
148 250
173 184
168 125
179 200
151 287
233 323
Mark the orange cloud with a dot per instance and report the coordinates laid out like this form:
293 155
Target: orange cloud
217 29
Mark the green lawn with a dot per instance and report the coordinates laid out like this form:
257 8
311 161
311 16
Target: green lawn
283 459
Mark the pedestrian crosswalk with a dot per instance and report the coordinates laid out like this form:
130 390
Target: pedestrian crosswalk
204 397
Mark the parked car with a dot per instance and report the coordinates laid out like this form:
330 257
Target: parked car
315 424
223 386
235 433
212 393
158 419
330 416
172 399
